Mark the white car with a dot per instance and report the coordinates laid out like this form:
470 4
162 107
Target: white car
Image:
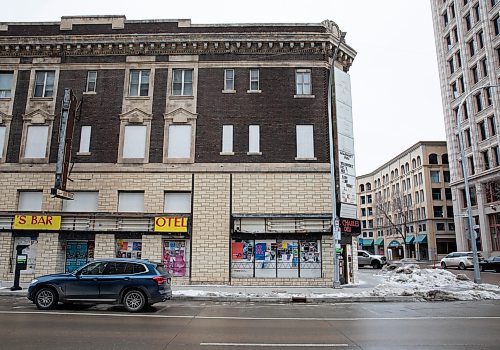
460 260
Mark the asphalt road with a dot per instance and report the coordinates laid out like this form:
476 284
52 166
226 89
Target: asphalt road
210 326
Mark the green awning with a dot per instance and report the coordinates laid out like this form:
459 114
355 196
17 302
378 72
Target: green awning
379 241
422 239
409 239
394 244
367 242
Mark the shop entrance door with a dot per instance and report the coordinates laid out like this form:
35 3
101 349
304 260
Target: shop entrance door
77 254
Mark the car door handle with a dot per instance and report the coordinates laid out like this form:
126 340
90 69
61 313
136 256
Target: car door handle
94 279
127 278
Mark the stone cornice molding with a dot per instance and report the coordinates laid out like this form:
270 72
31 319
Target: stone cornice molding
180 115
5 118
136 115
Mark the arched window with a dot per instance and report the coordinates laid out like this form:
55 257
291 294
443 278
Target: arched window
407 167
444 158
433 158
396 175
402 170
419 161
361 188
386 178
392 175
368 186
413 163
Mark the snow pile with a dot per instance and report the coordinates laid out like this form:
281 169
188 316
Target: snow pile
430 284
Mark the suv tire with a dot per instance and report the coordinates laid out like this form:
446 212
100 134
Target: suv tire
376 264
134 300
46 298
443 265
461 266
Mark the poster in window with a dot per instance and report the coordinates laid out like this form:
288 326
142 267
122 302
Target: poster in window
260 251
174 258
237 251
128 249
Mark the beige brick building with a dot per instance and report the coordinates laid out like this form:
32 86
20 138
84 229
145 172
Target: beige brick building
203 150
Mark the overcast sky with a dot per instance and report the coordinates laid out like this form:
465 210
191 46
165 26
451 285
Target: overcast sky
394 77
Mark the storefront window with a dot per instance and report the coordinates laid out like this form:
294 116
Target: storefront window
270 258
131 249
78 253
30 251
176 257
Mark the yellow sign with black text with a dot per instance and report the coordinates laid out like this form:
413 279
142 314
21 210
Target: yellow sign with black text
171 224
37 222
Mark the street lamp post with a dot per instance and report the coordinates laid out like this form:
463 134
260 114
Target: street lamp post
475 261
334 222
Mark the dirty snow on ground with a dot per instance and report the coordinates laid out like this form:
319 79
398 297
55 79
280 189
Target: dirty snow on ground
407 280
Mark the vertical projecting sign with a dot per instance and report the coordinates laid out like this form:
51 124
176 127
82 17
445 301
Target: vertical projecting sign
345 143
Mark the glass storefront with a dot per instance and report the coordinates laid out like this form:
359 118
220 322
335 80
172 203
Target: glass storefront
176 257
275 258
78 253
129 248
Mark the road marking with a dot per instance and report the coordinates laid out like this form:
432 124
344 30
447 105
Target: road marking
253 318
276 345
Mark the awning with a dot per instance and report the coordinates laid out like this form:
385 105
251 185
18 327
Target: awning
422 239
394 244
379 241
409 239
367 242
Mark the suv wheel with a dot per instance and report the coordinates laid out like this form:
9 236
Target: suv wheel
134 301
443 265
46 299
461 266
376 264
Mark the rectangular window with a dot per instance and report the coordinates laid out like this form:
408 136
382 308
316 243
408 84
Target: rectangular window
468 21
254 139
480 39
451 66
177 202
475 74
303 81
229 79
446 176
496 25
472 168
486 159
254 80
479 102
30 201
182 82
496 156
3 131
492 126
36 141
482 130
91 81
6 84
448 42
435 177
440 226
305 142
227 139
477 13
179 141
436 194
472 47
438 211
131 202
139 83
85 139
44 84
447 194
134 141
82 202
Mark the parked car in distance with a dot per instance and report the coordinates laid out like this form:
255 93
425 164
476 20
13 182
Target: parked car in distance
492 263
374 260
460 260
133 283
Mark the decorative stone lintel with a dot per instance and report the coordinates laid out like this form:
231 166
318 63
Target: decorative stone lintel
5 118
180 115
38 116
136 115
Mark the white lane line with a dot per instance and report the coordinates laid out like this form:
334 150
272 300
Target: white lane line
277 345
254 318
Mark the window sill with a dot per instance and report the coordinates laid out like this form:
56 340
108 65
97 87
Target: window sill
83 153
139 98
133 161
5 98
90 93
304 96
254 91
301 158
177 97
41 98
254 153
226 153
34 160
228 91
179 161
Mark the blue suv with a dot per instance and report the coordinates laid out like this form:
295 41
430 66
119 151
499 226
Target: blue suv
133 283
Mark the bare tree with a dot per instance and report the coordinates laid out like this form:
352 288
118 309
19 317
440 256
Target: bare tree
395 213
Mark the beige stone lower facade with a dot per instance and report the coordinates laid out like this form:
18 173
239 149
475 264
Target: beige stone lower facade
248 224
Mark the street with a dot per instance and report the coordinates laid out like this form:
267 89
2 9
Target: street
206 325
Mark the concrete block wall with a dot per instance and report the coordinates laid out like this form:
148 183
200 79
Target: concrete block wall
50 254
152 247
104 246
210 254
6 242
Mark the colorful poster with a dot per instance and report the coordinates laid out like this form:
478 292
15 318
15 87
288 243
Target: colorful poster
78 254
237 251
260 251
175 258
128 249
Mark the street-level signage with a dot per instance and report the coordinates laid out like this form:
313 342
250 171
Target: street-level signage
352 226
171 224
37 222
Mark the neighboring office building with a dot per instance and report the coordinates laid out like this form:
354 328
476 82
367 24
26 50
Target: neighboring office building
202 146
467 37
420 175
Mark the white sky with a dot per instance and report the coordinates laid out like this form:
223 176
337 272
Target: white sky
394 77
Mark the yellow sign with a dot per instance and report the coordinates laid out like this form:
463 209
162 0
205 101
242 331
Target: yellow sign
37 222
171 224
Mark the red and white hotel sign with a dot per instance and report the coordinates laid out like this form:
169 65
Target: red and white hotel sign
171 224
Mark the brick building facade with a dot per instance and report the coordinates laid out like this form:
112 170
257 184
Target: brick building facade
202 146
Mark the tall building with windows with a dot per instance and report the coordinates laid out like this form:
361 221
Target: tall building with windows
467 35
406 204
201 146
